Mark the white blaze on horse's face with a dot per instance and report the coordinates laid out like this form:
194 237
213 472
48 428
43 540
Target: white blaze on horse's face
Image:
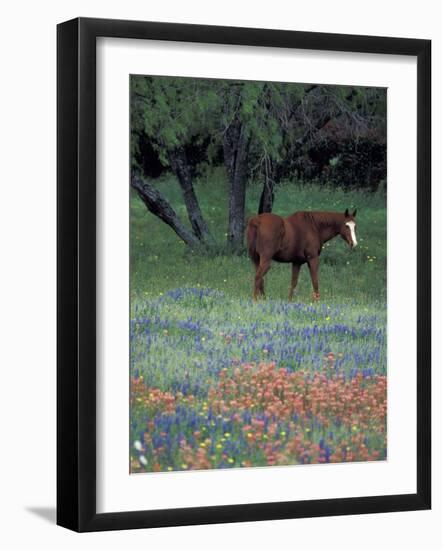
351 226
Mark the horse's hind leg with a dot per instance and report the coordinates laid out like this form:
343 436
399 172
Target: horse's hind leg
294 281
264 266
313 264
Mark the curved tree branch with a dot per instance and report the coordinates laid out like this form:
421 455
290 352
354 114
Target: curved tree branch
157 203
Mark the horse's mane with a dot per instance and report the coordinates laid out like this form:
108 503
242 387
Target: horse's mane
323 219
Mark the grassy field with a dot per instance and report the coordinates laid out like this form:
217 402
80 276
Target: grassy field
219 381
161 262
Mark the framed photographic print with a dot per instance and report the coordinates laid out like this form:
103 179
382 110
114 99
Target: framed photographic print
243 274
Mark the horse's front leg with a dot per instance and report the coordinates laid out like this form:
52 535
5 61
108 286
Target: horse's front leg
313 264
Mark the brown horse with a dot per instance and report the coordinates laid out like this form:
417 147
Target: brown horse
297 239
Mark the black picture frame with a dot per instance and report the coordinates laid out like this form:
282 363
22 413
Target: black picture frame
76 274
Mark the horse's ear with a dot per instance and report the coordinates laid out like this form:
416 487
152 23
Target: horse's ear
354 213
346 214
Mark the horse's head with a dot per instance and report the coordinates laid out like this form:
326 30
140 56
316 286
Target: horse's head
348 228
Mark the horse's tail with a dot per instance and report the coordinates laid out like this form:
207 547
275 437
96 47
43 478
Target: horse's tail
252 234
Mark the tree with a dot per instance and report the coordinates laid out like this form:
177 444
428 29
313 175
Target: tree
159 206
266 131
249 126
179 165
235 148
172 112
268 190
328 117
234 115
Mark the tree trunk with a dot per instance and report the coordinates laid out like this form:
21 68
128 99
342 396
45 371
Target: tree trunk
369 183
268 193
235 156
160 207
180 167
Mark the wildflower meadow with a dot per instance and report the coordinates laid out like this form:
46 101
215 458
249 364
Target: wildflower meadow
220 381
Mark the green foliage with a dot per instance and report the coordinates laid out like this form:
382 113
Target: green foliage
283 122
170 111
